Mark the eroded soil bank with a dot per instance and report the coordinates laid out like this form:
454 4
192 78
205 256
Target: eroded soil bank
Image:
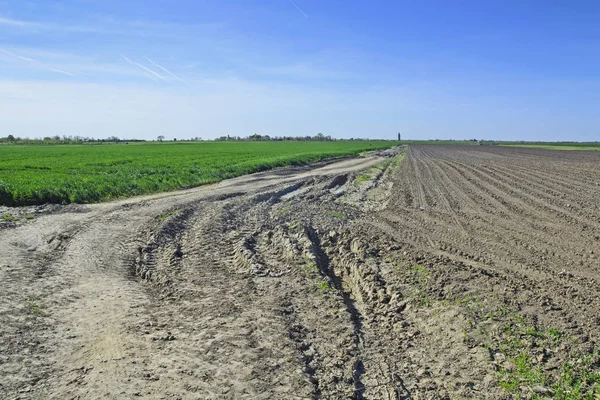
427 272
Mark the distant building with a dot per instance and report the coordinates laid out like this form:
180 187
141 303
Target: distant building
399 137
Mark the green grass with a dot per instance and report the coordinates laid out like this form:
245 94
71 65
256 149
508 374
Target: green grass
336 214
579 377
35 308
166 215
362 178
523 373
84 173
323 286
9 218
375 170
556 146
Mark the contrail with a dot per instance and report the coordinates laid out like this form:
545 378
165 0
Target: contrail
16 22
39 64
159 76
166 70
60 71
298 8
16 55
147 75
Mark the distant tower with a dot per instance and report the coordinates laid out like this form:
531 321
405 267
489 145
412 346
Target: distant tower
399 137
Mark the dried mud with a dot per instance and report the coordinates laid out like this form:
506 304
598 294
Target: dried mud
421 272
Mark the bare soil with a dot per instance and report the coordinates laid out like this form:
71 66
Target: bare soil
423 272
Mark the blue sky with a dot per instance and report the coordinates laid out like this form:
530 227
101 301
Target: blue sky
512 70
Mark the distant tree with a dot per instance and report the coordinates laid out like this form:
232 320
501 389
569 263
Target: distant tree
10 138
160 138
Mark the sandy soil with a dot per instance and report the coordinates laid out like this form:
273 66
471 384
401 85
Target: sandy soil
458 272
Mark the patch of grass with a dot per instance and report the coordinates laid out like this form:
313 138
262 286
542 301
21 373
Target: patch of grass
554 334
295 224
418 277
166 215
422 299
9 218
336 214
496 314
362 178
28 217
522 373
524 347
377 169
419 271
311 267
579 379
283 210
557 146
323 286
35 308
313 273
532 331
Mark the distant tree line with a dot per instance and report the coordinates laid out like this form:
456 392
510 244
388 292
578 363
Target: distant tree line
319 137
65 139
57 139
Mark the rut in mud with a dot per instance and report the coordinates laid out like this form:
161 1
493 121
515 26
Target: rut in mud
427 272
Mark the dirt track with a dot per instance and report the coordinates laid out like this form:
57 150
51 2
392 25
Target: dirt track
426 278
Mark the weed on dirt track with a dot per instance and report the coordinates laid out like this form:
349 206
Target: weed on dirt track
457 272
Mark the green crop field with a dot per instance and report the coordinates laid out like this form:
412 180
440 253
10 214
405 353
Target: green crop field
37 174
556 145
